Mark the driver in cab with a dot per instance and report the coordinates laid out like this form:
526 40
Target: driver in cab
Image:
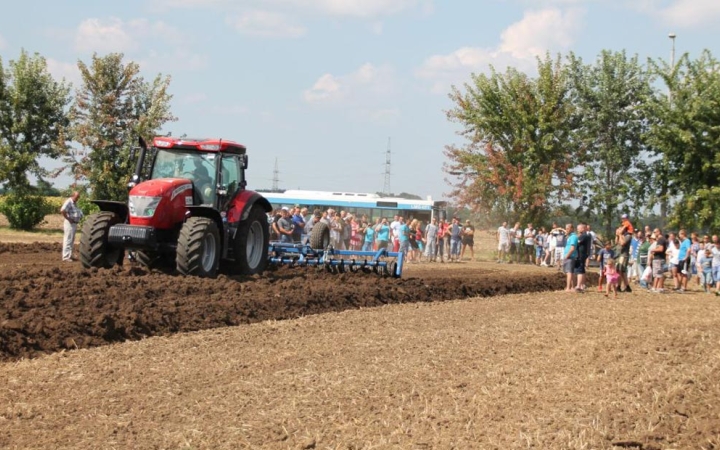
203 184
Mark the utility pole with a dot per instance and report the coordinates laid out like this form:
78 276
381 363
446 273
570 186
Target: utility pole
386 185
276 178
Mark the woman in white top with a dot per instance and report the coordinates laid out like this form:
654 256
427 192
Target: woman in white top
672 253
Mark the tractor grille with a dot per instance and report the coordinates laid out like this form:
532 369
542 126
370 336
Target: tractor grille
132 236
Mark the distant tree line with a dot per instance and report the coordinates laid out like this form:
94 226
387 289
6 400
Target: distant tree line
614 136
91 129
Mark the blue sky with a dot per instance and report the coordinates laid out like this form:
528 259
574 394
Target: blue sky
322 84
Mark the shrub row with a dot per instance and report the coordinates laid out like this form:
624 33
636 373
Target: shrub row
26 211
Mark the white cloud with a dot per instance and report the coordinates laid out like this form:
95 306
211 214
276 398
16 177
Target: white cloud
366 9
266 24
368 83
108 36
116 35
535 34
64 70
540 31
689 13
361 8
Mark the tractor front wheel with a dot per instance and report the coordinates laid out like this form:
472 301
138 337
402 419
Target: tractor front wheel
198 248
251 242
95 251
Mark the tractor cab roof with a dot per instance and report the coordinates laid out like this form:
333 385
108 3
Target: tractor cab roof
204 145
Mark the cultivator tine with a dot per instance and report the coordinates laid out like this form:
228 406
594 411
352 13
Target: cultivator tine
330 260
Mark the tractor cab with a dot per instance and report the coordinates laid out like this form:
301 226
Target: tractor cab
215 168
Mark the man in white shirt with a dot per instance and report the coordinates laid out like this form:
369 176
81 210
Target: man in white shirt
72 215
503 241
529 235
395 228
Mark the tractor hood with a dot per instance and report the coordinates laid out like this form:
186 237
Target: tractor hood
160 203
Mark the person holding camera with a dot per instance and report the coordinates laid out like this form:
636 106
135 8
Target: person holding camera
383 233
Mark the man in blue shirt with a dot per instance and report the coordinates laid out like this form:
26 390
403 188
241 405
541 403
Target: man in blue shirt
298 225
383 233
403 236
455 239
684 259
569 257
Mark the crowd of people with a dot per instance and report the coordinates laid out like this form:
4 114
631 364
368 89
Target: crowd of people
647 257
438 240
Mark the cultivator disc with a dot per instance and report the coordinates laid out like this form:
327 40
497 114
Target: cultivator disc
330 260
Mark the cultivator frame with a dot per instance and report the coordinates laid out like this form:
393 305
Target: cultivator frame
337 261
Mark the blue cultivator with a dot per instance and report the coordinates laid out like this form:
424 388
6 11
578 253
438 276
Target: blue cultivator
380 262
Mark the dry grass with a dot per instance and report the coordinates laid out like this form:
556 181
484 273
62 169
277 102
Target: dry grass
49 231
525 371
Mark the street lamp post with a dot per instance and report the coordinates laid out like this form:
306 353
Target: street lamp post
672 37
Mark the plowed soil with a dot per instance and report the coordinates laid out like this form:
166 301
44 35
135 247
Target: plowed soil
389 365
48 305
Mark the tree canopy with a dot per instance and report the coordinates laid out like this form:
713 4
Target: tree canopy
112 108
33 119
602 136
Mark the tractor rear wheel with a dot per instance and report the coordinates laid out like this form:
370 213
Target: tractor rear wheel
320 236
252 241
198 248
95 251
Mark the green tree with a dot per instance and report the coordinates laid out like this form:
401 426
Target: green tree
113 107
33 119
684 131
517 158
609 96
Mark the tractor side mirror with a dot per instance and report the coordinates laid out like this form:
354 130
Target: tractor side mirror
244 162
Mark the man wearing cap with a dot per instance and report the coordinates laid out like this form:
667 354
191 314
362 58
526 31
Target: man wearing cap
626 224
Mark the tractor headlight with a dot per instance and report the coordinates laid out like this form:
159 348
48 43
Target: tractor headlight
143 206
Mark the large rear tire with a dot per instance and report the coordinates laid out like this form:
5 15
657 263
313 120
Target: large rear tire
95 251
198 248
320 236
252 242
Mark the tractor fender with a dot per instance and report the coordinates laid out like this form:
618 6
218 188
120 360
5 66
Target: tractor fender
243 202
119 208
205 211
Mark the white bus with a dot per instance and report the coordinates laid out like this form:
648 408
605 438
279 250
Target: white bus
370 205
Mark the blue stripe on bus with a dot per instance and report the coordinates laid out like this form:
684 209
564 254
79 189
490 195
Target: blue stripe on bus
345 203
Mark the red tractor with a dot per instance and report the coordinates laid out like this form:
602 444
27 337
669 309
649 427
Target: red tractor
193 209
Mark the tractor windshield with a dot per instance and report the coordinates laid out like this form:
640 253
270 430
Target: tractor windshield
199 167
195 166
